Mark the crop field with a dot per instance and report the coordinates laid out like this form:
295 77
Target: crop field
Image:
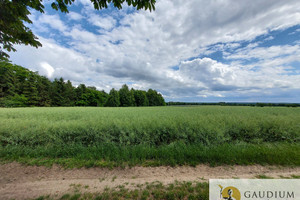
150 136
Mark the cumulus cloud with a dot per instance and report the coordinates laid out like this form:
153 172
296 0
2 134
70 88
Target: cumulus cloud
106 22
215 76
48 69
169 49
53 21
75 16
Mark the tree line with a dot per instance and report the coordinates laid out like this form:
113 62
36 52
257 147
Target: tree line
171 103
20 87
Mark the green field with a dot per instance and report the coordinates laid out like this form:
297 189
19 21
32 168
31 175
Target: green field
93 136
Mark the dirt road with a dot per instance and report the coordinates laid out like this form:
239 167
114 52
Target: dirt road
22 182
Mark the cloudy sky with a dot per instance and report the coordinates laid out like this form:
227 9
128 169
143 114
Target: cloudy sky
195 50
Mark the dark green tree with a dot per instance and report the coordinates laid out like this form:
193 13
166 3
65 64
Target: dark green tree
126 97
57 92
14 101
22 87
7 80
14 13
81 97
113 99
155 98
141 98
43 87
103 98
31 91
93 96
132 97
22 75
69 94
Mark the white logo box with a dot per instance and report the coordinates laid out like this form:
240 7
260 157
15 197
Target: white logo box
254 189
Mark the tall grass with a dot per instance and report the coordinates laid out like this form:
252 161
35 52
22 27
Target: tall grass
167 135
152 126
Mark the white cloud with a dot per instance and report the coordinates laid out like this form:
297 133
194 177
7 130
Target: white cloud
268 56
53 21
145 46
48 69
269 38
106 22
79 35
208 72
75 16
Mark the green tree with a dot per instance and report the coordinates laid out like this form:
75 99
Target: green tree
22 87
103 98
57 92
140 97
93 96
14 101
69 94
133 103
113 99
14 13
22 74
126 97
7 80
155 98
81 97
43 87
31 91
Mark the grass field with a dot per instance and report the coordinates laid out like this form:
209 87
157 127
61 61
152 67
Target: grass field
89 136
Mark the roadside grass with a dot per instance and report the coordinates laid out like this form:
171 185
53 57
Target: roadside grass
263 176
295 176
151 191
148 191
110 156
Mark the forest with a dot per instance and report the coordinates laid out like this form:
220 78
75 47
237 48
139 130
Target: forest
20 87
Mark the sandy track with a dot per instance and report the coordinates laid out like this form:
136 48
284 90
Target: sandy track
22 182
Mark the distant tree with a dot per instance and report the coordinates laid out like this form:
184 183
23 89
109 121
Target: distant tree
132 97
113 99
141 98
31 91
155 99
69 94
22 87
7 80
81 98
103 98
22 74
14 101
161 100
93 96
81 89
43 87
14 13
57 92
126 97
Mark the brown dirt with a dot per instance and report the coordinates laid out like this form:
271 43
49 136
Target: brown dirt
22 182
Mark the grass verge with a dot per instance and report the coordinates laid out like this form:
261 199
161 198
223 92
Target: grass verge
110 155
155 190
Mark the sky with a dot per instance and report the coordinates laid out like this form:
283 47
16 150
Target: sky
192 51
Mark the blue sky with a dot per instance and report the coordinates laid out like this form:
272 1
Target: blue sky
203 51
